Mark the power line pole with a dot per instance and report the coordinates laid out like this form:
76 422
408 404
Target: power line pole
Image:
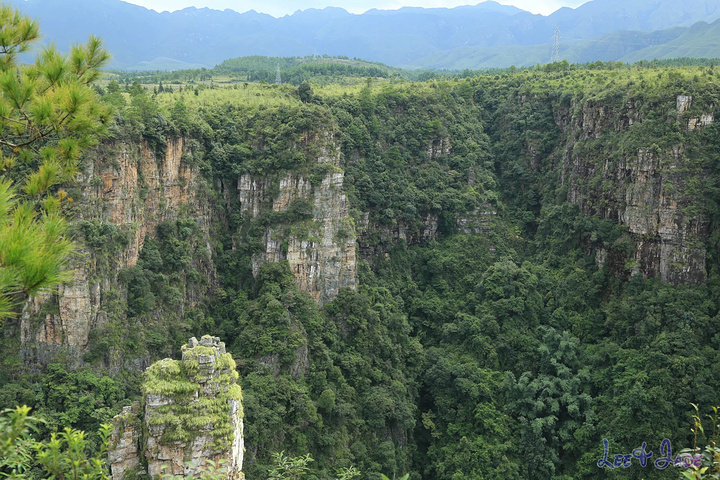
556 46
278 78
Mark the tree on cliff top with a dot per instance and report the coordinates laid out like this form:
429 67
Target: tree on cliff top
48 114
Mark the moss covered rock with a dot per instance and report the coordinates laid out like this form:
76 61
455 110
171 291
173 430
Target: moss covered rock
192 412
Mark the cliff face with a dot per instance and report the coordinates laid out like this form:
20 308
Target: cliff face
645 187
192 414
123 193
376 239
124 454
126 191
319 242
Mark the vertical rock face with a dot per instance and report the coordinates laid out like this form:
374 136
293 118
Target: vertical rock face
193 414
130 186
126 187
319 248
129 189
684 102
477 221
667 239
377 239
647 190
124 453
438 147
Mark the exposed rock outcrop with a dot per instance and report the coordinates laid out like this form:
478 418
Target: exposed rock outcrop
684 102
139 190
192 414
647 190
127 189
320 248
124 453
440 146
477 221
376 239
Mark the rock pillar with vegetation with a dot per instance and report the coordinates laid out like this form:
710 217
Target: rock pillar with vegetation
192 420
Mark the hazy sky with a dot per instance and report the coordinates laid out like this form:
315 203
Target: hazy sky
282 7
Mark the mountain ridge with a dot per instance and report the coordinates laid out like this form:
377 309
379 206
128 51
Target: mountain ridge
406 37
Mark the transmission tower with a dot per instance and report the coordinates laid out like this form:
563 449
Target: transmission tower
278 78
556 46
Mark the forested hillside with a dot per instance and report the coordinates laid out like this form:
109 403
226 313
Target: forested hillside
457 279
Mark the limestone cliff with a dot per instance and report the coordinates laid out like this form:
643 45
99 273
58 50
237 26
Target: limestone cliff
317 238
123 193
376 238
192 414
124 455
643 186
126 191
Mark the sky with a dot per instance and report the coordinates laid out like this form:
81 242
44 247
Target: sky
279 8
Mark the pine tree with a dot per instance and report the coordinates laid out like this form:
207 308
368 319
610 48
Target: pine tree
48 115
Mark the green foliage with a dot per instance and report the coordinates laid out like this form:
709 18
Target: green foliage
409 372
289 468
77 399
504 337
34 251
64 456
305 92
259 140
16 445
553 406
48 114
348 473
293 70
168 269
710 463
64 397
415 148
103 236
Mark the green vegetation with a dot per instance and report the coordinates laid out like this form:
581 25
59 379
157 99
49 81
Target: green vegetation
319 69
181 381
63 456
503 335
168 269
48 114
709 435
505 354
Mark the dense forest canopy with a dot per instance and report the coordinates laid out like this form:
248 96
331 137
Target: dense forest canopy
518 320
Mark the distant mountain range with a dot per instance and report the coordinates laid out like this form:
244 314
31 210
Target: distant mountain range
472 37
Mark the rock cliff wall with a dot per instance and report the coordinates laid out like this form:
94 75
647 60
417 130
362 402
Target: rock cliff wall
376 238
645 187
123 193
125 452
192 414
126 191
318 237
